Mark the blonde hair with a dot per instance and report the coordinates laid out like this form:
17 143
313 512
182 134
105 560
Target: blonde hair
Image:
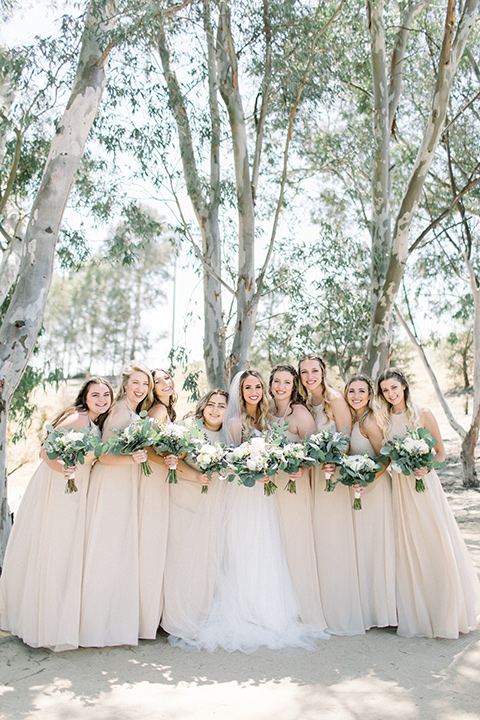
413 413
264 415
327 406
369 409
171 412
127 372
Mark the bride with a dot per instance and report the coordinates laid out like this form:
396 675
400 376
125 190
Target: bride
254 602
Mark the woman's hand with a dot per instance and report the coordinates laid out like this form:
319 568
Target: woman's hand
69 472
296 476
421 472
329 470
171 461
140 456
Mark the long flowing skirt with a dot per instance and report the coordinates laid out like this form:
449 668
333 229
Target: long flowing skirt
40 586
375 545
153 511
110 591
295 510
438 592
336 557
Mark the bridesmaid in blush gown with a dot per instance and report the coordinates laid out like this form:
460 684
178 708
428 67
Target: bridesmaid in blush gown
438 593
110 591
296 508
373 524
332 511
40 586
188 567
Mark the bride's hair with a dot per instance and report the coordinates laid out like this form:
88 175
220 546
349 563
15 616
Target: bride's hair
263 407
327 407
295 398
80 402
127 372
413 413
172 400
369 409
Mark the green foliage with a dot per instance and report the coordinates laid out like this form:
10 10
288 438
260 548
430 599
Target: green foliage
22 408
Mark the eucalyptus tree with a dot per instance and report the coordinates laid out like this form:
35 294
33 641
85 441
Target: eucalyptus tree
27 288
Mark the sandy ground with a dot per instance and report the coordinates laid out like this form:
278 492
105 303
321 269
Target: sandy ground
378 676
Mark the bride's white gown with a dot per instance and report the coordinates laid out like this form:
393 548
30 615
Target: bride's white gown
254 602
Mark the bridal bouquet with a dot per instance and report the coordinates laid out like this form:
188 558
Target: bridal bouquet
357 471
414 451
253 459
327 447
176 439
293 458
140 434
71 446
209 458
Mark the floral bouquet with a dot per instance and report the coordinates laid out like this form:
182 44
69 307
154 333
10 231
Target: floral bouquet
327 447
294 458
176 439
71 446
140 434
357 471
209 458
414 451
253 459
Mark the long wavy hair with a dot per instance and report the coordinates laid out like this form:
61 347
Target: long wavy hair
413 413
80 402
172 400
296 397
264 416
327 407
127 372
203 402
369 409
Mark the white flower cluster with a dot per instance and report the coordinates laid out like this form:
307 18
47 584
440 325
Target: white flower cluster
209 455
414 445
359 463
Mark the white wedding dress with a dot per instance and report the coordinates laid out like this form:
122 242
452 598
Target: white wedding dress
254 602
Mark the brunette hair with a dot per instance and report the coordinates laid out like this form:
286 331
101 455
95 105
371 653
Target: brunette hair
369 409
172 400
203 402
413 413
264 414
80 402
127 372
296 397
327 408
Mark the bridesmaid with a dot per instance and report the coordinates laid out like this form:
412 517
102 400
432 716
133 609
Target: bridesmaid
40 586
110 592
373 524
332 511
153 513
185 581
296 509
209 414
438 593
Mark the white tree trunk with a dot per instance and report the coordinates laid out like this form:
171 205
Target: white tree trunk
23 319
378 343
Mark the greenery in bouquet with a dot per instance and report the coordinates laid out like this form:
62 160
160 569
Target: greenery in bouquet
209 458
253 460
358 471
140 434
177 439
328 448
414 451
71 446
294 457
